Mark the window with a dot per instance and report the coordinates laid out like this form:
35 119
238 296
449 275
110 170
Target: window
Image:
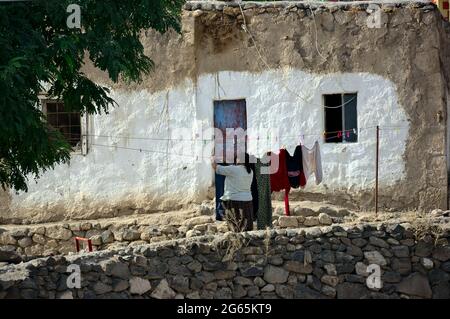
68 123
341 122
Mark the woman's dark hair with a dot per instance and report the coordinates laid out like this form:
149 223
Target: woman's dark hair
247 164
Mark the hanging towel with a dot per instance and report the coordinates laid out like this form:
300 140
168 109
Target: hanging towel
312 162
264 216
294 165
279 180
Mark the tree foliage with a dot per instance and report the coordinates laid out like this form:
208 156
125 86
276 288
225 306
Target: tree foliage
38 52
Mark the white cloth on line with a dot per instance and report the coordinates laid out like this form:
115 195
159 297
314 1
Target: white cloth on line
312 162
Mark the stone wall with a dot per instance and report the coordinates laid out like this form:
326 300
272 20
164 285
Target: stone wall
25 243
319 262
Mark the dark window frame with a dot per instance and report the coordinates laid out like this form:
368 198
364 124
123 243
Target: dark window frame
333 137
80 147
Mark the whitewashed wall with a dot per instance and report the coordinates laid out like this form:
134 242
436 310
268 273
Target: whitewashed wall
287 101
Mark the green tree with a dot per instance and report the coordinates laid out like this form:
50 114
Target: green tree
38 49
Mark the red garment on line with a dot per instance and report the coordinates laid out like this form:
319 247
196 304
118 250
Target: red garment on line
279 180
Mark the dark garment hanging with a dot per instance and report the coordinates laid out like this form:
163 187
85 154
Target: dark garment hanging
294 166
220 185
254 190
264 217
279 180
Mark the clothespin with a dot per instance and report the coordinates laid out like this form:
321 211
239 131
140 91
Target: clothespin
339 134
348 134
354 131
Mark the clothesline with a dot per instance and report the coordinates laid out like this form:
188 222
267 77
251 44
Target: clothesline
267 137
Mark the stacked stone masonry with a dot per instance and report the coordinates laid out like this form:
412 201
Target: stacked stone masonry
316 262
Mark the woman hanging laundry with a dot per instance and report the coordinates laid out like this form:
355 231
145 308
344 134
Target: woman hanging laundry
237 196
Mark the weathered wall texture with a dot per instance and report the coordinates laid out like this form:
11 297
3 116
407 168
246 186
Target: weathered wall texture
399 70
320 262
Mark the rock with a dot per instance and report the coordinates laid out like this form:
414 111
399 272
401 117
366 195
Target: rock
361 269
330 280
442 253
268 288
359 242
400 251
275 275
9 255
311 221
224 274
327 256
40 239
169 230
139 286
374 257
348 290
19 233
252 271
205 277
25 242
40 230
258 281
85 226
284 292
7 239
96 240
58 233
120 285
131 235
201 228
328 210
288 221
163 291
303 211
446 266
402 265
436 276
423 249
253 291
65 295
391 277
193 233
298 267
330 269
198 221
325 219
427 263
195 266
415 284
101 288
239 292
243 281
354 251
115 268
304 292
441 290
375 241
107 237
328 291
